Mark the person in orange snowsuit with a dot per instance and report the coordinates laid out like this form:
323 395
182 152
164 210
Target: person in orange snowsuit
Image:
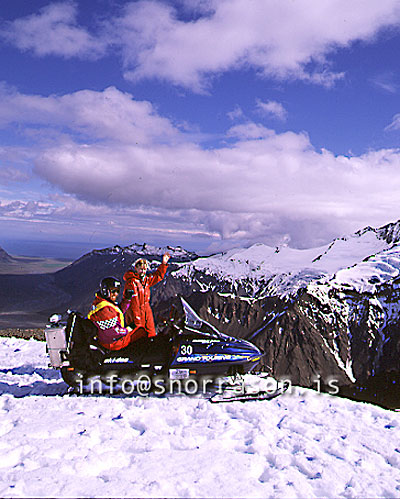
137 294
108 317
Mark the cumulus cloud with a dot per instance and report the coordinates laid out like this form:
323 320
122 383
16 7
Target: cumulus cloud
24 209
54 30
278 174
256 185
278 39
189 44
108 115
272 108
249 130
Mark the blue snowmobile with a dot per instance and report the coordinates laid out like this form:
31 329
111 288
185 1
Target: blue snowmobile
188 348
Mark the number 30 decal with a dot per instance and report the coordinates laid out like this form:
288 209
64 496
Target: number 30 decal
186 349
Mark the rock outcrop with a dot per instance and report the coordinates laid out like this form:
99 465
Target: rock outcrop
4 256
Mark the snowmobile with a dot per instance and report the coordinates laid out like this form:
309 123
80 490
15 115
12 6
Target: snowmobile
188 350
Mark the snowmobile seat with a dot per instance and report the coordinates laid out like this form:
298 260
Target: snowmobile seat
84 348
156 350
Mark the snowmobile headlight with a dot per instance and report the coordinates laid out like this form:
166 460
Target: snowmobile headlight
55 318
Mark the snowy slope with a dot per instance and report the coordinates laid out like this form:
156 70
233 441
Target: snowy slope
299 445
283 270
370 273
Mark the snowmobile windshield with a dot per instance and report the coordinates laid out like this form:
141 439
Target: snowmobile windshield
193 321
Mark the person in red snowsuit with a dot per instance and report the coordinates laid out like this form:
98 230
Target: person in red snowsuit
108 317
137 295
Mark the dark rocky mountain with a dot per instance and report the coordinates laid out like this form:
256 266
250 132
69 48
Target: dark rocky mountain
24 297
345 337
4 256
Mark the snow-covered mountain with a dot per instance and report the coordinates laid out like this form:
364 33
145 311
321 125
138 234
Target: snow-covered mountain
328 311
303 444
362 261
178 254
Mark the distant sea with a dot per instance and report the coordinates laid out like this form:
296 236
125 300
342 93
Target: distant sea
50 249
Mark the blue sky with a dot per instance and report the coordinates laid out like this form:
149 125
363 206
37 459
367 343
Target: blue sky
205 123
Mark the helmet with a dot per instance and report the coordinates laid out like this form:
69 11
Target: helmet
140 262
107 284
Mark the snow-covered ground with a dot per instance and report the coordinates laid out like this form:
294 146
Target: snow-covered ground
302 444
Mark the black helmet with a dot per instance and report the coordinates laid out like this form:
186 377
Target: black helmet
107 284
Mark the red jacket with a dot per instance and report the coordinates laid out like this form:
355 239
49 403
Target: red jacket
109 319
137 293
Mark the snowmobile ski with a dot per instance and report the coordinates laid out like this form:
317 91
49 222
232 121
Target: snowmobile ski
240 392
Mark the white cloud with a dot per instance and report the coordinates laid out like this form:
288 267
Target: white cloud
54 30
284 40
386 81
272 108
108 115
250 190
236 114
63 217
279 39
249 130
256 186
395 123
24 209
10 174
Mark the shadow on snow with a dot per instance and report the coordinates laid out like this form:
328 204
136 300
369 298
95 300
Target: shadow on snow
38 387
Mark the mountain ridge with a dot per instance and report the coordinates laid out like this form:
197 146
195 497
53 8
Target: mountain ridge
285 270
4 256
